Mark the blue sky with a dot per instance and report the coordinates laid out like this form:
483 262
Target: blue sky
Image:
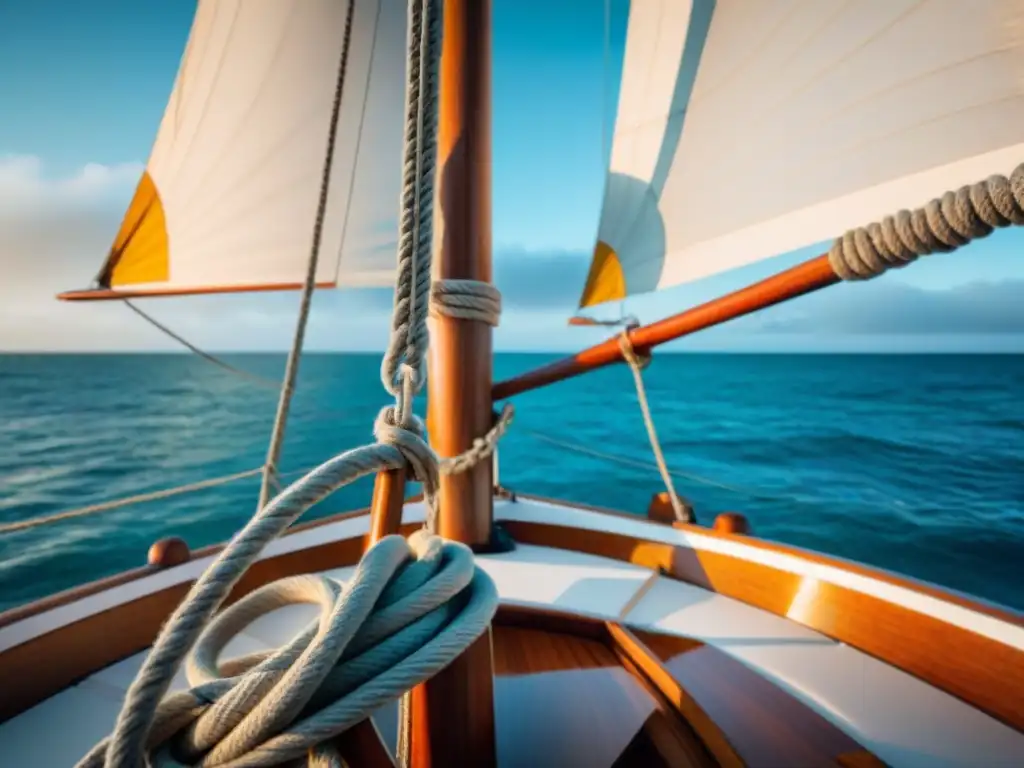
84 86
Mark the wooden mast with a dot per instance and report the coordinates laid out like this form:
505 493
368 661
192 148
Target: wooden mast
804 278
453 713
459 384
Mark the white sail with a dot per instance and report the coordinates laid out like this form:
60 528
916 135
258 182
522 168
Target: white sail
229 197
749 129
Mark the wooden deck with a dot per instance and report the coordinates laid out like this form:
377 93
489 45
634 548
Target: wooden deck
597 660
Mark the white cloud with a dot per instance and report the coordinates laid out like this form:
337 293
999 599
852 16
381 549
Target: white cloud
26 189
55 231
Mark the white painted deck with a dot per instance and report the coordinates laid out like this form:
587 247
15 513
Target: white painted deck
899 718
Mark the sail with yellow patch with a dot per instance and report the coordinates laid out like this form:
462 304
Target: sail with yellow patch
749 129
231 195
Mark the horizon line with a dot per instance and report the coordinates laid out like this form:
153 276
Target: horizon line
375 353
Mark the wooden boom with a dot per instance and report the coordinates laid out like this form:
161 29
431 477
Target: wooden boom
796 281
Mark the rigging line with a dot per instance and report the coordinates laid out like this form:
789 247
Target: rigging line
126 501
636 365
605 98
294 355
357 153
256 378
640 464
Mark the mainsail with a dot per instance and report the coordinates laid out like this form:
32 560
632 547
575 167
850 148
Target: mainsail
749 129
229 198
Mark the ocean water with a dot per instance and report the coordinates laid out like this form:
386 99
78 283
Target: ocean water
912 463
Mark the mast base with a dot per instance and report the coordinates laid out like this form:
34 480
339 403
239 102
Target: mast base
499 542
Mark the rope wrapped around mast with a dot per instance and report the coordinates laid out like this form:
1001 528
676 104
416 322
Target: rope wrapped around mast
941 226
410 609
466 300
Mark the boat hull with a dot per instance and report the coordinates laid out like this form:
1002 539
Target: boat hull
717 635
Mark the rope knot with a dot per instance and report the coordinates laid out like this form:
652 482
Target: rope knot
638 360
410 440
466 300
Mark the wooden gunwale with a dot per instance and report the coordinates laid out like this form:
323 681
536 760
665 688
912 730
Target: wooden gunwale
1000 612
980 671
986 674
67 596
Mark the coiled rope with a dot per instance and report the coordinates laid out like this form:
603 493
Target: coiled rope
941 226
411 607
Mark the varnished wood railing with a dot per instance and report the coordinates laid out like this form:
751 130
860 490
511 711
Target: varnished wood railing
797 281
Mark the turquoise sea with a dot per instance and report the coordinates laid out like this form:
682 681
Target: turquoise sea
912 463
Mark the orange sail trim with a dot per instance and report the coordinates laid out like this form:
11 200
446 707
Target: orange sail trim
140 252
605 281
107 294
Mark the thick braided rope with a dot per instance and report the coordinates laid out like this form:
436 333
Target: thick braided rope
466 300
409 609
400 444
186 623
407 346
283 706
637 364
943 225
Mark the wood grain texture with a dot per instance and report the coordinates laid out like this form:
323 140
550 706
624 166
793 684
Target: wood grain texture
577 690
859 759
387 504
730 704
711 733
453 712
459 385
565 700
363 745
739 718
460 355
946 657
982 672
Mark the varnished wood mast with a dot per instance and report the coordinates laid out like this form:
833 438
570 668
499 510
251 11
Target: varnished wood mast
453 713
797 281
